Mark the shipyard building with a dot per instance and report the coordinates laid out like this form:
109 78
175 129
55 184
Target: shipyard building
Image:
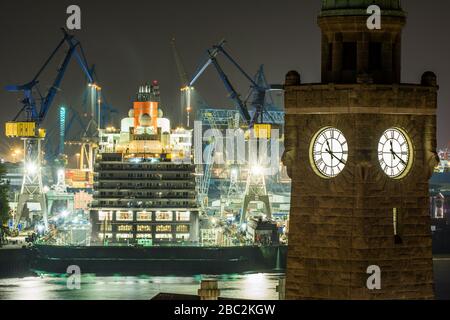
144 183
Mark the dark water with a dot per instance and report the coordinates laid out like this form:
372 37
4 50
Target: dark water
51 287
441 267
245 286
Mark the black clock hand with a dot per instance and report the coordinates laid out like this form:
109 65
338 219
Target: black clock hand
340 160
396 155
334 156
328 145
330 152
392 149
392 153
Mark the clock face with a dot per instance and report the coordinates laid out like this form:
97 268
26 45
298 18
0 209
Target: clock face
328 152
394 153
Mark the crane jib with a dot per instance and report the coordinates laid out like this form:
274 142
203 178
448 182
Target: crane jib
255 84
38 114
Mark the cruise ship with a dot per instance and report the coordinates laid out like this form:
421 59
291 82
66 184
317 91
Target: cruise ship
144 183
145 215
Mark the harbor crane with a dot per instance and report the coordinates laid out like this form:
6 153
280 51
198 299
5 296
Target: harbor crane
258 88
27 124
185 88
259 120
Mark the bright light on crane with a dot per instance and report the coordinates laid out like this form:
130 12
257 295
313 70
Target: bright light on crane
41 228
31 168
187 92
257 170
94 86
61 174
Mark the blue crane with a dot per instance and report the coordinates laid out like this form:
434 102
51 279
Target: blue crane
258 88
36 110
63 131
108 112
37 113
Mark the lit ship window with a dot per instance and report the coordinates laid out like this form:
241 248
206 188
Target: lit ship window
182 228
106 228
183 216
163 228
164 216
144 228
120 236
105 235
163 236
124 228
144 236
105 215
124 216
144 216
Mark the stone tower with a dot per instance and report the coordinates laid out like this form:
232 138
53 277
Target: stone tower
360 149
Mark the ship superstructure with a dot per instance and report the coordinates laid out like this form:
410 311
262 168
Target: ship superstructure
144 189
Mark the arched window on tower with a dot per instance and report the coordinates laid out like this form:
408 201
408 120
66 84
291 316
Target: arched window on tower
330 57
349 54
375 56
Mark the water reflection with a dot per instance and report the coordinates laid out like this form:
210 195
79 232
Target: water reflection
54 287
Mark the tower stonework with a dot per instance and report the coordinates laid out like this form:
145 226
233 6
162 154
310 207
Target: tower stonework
365 215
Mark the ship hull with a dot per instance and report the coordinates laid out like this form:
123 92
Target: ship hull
164 260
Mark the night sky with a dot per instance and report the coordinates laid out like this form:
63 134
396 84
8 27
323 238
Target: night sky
129 41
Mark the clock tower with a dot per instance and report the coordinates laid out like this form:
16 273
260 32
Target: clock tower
360 149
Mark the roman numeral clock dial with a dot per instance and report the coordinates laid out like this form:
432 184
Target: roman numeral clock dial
328 152
395 153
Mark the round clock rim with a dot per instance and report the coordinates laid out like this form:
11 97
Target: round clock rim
408 167
311 149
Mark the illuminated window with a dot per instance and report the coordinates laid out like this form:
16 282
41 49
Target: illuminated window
163 228
144 228
144 216
183 216
105 215
144 236
124 228
163 216
124 216
105 235
182 228
106 228
182 236
120 236
163 236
